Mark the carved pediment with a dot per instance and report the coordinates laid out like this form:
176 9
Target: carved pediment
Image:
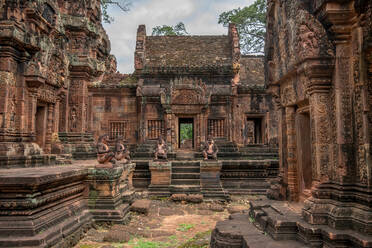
186 96
187 91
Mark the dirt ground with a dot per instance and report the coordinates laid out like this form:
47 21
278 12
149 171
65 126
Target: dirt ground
168 225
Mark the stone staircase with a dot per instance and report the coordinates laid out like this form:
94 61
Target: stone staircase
185 177
285 222
227 149
141 175
145 150
258 152
248 176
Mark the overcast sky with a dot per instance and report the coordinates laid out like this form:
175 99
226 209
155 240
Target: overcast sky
199 16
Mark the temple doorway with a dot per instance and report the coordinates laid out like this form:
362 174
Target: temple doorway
303 131
40 125
253 131
186 133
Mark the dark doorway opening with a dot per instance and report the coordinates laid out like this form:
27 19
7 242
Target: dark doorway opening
40 125
303 131
253 131
186 133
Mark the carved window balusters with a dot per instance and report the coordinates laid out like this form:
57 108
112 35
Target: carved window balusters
155 129
118 128
216 128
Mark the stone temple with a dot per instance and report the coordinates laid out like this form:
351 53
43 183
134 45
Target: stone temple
293 125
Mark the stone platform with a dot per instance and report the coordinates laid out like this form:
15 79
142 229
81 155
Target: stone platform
281 223
42 207
214 179
49 206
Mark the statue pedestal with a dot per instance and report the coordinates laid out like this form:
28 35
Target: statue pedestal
104 166
126 182
210 171
210 182
160 177
108 189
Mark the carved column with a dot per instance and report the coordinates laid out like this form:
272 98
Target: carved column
56 117
168 130
320 134
290 114
367 110
48 138
32 109
341 16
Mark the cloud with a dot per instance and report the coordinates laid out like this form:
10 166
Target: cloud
199 16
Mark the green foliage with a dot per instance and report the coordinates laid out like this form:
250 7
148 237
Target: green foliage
149 244
122 4
251 25
165 30
200 240
186 131
185 227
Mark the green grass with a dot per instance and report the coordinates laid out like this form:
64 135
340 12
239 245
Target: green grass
251 219
88 246
200 240
141 243
185 227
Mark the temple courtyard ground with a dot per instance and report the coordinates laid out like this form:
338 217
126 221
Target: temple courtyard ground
167 224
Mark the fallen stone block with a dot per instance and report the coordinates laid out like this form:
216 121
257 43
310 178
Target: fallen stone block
178 197
237 209
141 206
116 236
194 198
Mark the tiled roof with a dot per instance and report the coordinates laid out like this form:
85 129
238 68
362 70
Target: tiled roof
187 51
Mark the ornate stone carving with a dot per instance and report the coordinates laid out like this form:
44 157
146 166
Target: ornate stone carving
210 149
73 119
288 95
161 150
308 42
186 91
104 155
121 152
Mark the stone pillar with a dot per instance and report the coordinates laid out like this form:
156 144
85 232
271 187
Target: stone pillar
320 137
33 106
56 117
368 114
343 87
168 130
48 136
290 115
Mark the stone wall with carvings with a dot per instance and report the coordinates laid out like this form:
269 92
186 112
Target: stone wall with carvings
318 71
50 51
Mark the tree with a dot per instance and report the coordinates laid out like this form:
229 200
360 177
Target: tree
122 4
251 25
166 30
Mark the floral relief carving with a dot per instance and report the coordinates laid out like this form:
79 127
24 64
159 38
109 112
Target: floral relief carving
308 42
288 96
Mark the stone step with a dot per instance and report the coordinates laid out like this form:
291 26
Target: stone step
185 181
238 231
175 189
185 176
141 183
185 169
186 163
280 221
